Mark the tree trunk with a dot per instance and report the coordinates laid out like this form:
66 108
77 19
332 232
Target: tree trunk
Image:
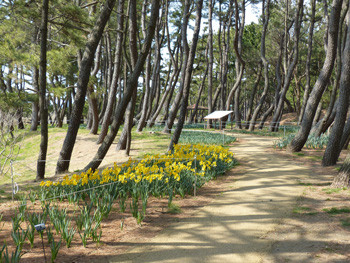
211 59
93 104
343 178
237 47
334 146
83 80
35 105
252 97
327 119
41 163
176 104
195 110
290 68
188 75
308 60
301 137
130 88
265 21
116 74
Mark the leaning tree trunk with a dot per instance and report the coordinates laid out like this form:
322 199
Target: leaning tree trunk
334 146
129 115
83 80
301 137
195 110
130 88
342 179
327 119
265 19
252 97
237 49
308 59
41 164
176 104
289 74
188 75
116 74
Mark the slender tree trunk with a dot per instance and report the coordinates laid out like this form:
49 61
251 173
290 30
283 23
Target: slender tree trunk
116 74
290 68
195 110
188 75
237 44
211 59
265 115
41 164
130 88
299 140
83 80
176 104
35 105
252 97
265 20
129 115
308 59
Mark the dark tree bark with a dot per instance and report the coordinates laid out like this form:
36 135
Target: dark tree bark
239 65
211 4
334 146
265 20
130 88
41 164
170 88
252 97
308 59
195 110
327 119
237 44
188 75
83 80
290 65
299 140
125 139
176 103
343 178
116 74
92 96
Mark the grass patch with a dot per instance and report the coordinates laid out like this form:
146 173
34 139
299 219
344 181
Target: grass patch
303 210
174 209
345 222
333 190
299 154
336 210
305 184
315 157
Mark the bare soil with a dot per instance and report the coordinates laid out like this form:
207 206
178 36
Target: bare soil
270 208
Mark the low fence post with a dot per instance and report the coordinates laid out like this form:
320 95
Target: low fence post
195 176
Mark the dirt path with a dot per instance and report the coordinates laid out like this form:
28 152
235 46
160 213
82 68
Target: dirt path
234 226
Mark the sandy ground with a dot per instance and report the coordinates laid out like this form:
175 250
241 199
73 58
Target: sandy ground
234 227
246 216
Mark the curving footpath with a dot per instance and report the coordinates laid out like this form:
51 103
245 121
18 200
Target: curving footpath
233 227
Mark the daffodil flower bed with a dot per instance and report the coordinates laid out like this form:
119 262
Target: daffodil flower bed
175 173
92 195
